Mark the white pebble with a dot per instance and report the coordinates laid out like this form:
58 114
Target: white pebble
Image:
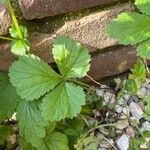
136 110
123 142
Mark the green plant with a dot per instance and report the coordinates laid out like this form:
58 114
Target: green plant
134 28
40 95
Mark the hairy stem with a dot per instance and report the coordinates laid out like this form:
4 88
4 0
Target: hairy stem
87 86
6 38
93 80
14 19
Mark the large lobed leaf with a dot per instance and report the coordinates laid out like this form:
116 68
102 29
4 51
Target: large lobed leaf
31 124
32 77
143 5
53 141
130 28
8 98
71 58
143 49
64 101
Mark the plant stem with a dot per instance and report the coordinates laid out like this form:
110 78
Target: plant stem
99 126
109 143
14 19
93 80
146 65
81 83
6 38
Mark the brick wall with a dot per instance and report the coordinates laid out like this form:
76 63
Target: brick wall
82 20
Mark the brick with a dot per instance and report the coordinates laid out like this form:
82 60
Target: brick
111 63
91 30
42 8
5 20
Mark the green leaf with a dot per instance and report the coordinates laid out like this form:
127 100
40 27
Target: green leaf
32 77
55 141
8 98
143 50
130 28
143 5
132 85
13 32
19 47
71 58
64 101
25 145
139 70
31 124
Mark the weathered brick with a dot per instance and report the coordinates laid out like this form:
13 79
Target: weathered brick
112 63
91 30
42 8
5 20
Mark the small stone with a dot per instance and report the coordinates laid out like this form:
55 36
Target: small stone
135 98
122 124
130 131
141 104
123 116
109 97
105 144
136 110
118 109
100 92
141 92
146 126
126 111
123 142
121 102
126 97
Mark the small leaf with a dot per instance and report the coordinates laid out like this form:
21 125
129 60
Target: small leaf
31 124
72 59
139 70
13 32
8 98
55 141
143 50
130 28
64 101
132 86
19 47
143 5
32 77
